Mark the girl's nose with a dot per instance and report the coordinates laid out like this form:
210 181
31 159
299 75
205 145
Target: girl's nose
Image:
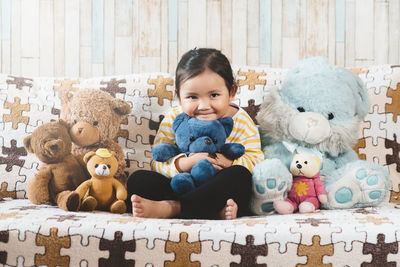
203 104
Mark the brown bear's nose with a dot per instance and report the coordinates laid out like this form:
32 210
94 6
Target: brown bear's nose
80 130
207 141
104 167
53 147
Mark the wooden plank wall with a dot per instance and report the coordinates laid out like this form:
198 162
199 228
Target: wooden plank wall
106 37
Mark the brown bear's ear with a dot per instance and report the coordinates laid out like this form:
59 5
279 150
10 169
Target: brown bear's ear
88 156
27 144
120 106
63 123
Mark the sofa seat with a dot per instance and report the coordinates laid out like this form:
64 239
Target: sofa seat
34 235
45 235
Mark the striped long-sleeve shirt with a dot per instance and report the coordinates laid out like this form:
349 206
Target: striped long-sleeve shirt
244 132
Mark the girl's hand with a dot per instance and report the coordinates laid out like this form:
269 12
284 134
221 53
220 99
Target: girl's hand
185 164
222 162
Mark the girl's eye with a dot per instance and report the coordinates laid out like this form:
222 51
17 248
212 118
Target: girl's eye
192 138
95 123
301 109
330 116
214 95
191 97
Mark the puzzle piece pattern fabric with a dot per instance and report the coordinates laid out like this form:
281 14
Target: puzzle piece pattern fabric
45 235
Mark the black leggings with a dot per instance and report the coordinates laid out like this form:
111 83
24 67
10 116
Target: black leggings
202 203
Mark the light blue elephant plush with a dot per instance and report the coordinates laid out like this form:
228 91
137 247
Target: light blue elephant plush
320 107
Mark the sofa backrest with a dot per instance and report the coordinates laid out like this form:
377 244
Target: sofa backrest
27 102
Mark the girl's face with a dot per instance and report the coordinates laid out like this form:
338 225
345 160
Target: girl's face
205 96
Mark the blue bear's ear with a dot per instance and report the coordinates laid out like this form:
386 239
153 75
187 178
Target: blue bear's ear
360 92
227 122
178 120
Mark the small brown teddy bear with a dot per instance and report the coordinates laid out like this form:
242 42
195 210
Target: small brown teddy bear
102 191
60 173
95 117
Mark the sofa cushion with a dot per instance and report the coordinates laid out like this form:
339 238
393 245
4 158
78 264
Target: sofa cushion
26 102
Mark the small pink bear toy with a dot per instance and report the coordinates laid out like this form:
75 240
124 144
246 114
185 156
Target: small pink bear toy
307 191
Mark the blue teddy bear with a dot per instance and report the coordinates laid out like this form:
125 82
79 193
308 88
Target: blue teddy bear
193 136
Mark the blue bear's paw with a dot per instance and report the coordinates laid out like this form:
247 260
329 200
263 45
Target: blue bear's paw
361 187
182 183
202 172
271 181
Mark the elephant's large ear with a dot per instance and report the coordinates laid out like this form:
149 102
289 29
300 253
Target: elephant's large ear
178 121
227 122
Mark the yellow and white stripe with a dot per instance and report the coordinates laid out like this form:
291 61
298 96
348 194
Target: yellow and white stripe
244 132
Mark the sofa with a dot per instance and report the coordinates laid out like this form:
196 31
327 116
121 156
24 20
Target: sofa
35 235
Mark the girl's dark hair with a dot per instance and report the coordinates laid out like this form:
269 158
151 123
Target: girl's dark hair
196 61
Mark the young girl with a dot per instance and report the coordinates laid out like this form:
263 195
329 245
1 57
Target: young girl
205 87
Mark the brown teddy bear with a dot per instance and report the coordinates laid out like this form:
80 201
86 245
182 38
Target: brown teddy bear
102 191
94 117
60 173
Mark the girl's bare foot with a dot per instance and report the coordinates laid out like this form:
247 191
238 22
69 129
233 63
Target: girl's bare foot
229 212
146 208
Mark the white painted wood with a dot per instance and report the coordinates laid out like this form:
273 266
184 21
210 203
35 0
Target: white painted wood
276 33
197 24
213 22
6 56
317 28
150 28
164 36
303 29
30 66
394 32
46 38
253 18
30 28
239 32
172 56
290 51
182 27
85 38
381 34
290 18
123 36
226 28
136 20
350 33
364 13
72 38
331 33
59 38
123 55
339 54
109 37
149 64
98 69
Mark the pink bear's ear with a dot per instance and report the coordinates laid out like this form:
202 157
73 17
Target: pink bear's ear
120 106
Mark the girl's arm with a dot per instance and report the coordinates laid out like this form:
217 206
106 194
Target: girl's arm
245 132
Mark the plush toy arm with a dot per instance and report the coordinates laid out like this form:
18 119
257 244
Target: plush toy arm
163 152
38 186
233 151
120 190
83 188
